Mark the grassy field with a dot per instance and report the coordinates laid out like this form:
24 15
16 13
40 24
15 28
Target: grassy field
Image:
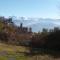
37 57
9 52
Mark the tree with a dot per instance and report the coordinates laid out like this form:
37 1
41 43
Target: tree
1 26
45 30
56 29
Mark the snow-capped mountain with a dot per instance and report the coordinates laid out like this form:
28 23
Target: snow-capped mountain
39 24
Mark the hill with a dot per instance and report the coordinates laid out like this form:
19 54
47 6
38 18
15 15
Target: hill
10 33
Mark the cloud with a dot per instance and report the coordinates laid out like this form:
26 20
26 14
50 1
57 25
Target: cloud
31 23
57 23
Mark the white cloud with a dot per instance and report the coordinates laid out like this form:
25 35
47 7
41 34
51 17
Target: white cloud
56 22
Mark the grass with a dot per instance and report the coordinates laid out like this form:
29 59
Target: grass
9 52
13 57
13 53
12 48
3 58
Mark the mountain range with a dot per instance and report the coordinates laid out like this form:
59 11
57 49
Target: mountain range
38 24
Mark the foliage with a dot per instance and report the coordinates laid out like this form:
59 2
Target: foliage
1 26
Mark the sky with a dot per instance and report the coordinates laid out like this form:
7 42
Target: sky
30 8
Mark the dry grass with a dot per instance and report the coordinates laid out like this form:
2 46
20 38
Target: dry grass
10 52
11 49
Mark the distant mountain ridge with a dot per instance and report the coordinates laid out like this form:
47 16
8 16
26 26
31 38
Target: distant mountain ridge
39 24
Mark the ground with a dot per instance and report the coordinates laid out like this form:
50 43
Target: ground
9 52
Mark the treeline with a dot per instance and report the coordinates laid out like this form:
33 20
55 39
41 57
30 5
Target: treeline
46 40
